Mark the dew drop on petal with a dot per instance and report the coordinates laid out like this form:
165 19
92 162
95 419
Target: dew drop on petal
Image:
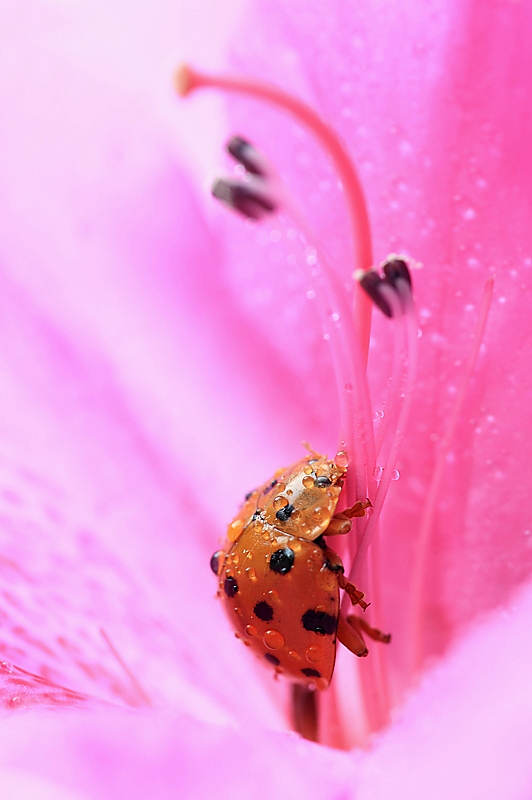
395 475
377 473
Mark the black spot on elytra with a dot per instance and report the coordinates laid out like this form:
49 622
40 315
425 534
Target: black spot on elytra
272 659
271 486
248 495
319 622
282 560
310 673
285 513
230 587
263 611
323 480
333 567
215 561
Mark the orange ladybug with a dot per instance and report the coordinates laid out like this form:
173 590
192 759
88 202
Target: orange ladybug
280 582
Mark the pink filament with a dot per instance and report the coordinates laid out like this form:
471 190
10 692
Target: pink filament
423 543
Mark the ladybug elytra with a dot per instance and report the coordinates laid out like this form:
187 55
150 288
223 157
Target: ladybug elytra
280 582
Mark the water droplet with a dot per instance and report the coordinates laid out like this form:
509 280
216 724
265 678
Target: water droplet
395 475
293 654
280 502
378 415
235 529
273 595
238 611
308 481
6 666
341 459
251 573
251 630
308 470
273 640
313 654
15 702
377 473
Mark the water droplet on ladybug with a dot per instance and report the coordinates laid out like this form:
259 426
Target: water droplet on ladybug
341 459
273 595
292 654
251 630
313 654
216 562
251 573
280 502
235 529
308 481
273 640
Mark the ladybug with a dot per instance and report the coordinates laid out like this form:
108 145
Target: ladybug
280 582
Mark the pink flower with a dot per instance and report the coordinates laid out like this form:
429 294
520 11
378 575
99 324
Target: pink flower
155 366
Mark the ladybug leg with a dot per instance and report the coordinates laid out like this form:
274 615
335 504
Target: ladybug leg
334 563
351 638
353 593
340 524
359 624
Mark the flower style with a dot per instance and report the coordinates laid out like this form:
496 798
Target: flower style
155 366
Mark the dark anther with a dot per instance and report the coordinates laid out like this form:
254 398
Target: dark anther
371 282
282 560
396 269
230 587
215 561
323 480
244 152
285 513
248 200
